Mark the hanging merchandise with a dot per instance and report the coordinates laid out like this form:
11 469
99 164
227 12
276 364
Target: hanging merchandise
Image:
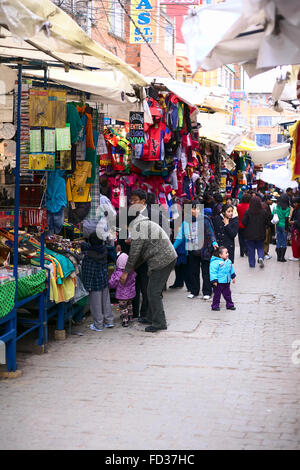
56 108
38 108
63 138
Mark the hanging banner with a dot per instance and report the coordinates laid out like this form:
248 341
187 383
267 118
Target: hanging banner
136 127
145 15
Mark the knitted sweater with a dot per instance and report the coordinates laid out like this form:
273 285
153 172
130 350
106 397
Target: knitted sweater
149 243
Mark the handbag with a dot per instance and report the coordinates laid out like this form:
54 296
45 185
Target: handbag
275 219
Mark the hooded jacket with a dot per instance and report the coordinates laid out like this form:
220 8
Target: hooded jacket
123 291
220 270
149 243
56 196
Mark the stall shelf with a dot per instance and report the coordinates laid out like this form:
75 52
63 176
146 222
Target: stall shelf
9 322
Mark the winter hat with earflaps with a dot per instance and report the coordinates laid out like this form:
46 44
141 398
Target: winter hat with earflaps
121 261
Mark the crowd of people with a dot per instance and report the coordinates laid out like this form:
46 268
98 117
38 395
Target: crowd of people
143 264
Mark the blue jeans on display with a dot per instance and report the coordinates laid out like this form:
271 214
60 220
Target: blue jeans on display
281 237
252 246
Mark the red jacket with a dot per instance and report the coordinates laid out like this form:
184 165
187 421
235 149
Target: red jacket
241 208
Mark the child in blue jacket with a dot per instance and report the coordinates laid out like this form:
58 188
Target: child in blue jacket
221 273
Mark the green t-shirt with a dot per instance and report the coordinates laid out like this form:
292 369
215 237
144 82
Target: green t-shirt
282 215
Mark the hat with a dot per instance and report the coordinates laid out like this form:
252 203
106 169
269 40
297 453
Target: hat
275 194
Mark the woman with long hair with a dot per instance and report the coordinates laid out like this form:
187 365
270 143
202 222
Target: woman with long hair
255 221
226 229
283 210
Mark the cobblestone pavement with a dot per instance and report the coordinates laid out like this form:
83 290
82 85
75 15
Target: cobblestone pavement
213 380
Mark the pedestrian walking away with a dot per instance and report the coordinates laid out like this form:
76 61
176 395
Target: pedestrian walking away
241 209
282 213
255 221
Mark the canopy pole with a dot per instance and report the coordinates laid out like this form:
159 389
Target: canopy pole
17 176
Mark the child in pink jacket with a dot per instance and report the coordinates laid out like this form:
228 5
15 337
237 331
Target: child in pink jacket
125 293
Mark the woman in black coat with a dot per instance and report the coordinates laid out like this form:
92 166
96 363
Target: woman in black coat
255 221
226 229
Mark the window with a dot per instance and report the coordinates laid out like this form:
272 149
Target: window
264 121
263 139
281 138
169 38
117 19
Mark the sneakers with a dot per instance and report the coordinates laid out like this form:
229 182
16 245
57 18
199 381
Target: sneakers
206 297
217 309
92 327
231 308
109 325
261 263
292 258
267 256
191 296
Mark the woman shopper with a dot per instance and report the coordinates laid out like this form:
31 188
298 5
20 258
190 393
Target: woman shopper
197 257
241 209
226 229
295 220
283 212
255 221
181 268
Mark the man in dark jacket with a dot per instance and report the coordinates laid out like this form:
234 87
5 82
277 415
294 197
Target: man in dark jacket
150 244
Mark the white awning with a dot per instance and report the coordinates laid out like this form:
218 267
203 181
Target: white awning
281 177
111 86
215 129
265 155
259 34
54 32
194 94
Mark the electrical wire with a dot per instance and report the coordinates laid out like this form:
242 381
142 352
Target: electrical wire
154 53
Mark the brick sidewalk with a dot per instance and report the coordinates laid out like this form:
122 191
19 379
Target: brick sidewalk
213 380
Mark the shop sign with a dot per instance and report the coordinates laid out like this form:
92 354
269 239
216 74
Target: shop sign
145 16
136 127
179 2
236 96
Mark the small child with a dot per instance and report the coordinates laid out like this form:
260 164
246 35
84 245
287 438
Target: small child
95 280
221 273
124 292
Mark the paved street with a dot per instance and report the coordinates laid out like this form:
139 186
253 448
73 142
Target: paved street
213 380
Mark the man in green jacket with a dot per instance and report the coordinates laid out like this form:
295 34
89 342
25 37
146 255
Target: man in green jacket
150 243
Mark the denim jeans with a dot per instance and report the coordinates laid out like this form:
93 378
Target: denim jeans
254 245
281 237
